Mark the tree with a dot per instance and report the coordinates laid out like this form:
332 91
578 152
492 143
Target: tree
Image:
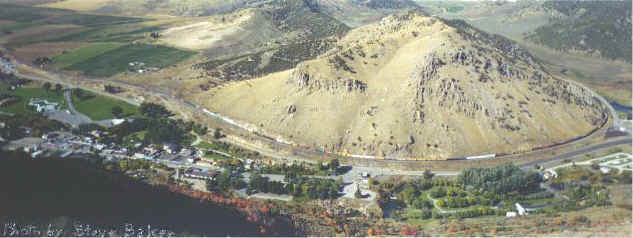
153 110
334 164
117 111
428 174
58 88
358 194
200 129
217 133
47 86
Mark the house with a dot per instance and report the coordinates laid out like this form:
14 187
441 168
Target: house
99 147
186 152
139 156
116 122
171 148
192 159
28 149
65 154
36 153
549 174
96 133
150 150
520 209
49 136
249 164
26 130
199 173
605 170
43 106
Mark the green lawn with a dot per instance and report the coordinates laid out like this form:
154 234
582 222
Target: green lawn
82 54
100 107
206 145
116 61
25 94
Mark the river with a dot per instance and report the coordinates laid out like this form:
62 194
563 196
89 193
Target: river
620 108
46 189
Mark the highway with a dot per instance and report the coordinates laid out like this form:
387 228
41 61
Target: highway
581 151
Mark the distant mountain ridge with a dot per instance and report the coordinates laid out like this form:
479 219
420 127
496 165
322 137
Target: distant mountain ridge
600 28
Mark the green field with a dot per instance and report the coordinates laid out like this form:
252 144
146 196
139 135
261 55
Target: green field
25 94
58 16
110 33
84 53
96 27
116 61
100 107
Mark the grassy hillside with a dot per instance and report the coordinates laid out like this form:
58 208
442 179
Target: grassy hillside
304 32
594 27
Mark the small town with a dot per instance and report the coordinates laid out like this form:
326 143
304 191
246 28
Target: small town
316 118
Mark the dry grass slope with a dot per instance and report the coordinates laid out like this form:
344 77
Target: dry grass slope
416 87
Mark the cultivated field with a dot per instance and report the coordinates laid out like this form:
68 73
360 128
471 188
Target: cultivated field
78 5
62 61
116 61
46 49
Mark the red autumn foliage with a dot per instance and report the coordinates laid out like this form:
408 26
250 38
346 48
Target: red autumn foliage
408 231
255 212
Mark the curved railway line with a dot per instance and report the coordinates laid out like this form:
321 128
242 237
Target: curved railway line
302 150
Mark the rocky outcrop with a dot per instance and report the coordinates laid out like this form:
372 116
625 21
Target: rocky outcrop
304 81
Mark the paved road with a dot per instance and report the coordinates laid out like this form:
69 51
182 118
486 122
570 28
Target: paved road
71 85
73 110
585 150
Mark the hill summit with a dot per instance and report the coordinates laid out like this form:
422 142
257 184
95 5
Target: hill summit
414 86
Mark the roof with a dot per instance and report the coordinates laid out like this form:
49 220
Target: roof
199 173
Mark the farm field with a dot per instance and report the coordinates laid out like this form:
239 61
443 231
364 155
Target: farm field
62 61
78 5
46 49
116 61
24 25
99 107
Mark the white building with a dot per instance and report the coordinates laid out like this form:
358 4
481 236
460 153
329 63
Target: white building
549 174
171 148
139 156
520 209
42 105
99 147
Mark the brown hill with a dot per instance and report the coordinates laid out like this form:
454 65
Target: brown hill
414 86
